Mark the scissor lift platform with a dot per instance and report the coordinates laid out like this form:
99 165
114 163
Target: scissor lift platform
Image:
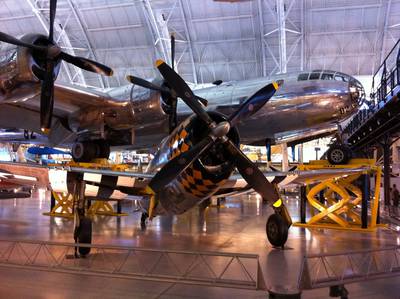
334 202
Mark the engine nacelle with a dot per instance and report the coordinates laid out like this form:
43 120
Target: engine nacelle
201 179
24 71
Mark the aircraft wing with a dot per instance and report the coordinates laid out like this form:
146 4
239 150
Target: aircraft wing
108 184
236 185
68 100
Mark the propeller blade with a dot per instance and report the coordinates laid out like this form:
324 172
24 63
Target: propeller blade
173 119
203 101
252 174
47 98
4 37
253 103
183 90
173 51
87 64
146 84
53 8
176 166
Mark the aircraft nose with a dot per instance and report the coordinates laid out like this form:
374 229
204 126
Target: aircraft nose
356 91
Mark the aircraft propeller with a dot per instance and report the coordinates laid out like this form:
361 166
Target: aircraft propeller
250 172
52 55
165 90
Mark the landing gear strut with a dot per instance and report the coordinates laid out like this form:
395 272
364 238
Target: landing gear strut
82 223
277 226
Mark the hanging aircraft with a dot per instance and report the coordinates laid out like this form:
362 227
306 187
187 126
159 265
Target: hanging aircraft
307 105
16 185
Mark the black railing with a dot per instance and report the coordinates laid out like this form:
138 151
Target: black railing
388 76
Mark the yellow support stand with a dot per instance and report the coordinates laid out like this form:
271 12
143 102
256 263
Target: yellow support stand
98 164
104 208
342 197
63 205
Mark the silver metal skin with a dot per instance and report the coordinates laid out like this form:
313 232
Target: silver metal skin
133 117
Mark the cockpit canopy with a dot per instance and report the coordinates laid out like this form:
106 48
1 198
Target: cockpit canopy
324 75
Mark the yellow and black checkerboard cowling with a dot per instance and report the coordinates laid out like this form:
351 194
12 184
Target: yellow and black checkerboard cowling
198 182
195 180
180 140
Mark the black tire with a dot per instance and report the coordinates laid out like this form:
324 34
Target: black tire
338 154
103 149
277 230
84 235
84 151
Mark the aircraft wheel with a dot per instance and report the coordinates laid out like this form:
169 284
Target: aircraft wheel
338 154
277 230
103 149
84 235
84 151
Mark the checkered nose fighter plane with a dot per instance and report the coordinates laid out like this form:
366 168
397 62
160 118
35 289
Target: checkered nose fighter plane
192 164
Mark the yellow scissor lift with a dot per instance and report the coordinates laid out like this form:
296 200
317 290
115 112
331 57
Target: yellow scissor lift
338 208
62 203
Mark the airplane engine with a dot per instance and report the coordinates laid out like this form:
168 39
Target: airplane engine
27 67
33 63
202 178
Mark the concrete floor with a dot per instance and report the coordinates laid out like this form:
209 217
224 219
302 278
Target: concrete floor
238 227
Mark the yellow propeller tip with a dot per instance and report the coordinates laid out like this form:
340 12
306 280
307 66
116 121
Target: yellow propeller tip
111 73
159 62
276 85
128 77
149 191
278 203
45 130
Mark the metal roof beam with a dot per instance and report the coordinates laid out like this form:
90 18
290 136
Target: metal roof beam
156 31
262 44
385 28
17 18
336 8
280 6
85 36
114 28
188 40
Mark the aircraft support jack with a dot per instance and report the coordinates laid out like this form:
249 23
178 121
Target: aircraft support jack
82 223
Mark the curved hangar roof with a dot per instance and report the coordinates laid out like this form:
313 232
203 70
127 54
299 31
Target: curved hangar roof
224 39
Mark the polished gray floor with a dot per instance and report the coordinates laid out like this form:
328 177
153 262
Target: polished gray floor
239 226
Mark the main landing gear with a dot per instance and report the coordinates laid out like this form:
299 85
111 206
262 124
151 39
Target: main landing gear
277 227
82 223
87 151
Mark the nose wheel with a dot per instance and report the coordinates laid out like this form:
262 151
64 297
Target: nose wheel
277 227
277 230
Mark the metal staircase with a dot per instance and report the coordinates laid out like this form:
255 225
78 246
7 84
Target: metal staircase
369 127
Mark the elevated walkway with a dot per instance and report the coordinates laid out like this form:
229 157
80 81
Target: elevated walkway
381 120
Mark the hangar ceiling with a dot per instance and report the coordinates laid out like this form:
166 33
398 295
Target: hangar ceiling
215 40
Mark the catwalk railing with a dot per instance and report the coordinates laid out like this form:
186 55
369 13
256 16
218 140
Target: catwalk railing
385 88
219 269
327 270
